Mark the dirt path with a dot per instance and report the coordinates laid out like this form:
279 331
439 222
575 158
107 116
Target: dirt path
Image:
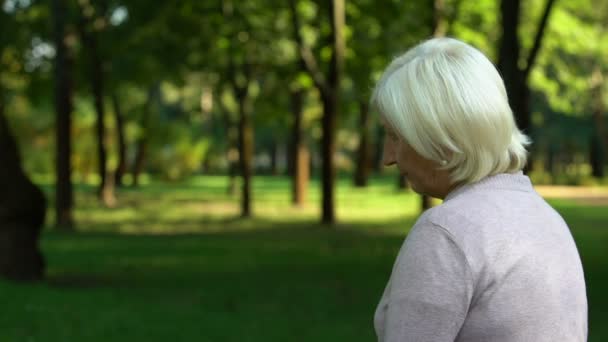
580 194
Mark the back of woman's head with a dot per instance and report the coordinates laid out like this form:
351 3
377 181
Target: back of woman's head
447 101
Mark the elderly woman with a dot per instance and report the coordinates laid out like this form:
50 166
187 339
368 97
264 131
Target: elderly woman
493 262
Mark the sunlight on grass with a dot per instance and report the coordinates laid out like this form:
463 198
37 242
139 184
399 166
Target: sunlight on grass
202 204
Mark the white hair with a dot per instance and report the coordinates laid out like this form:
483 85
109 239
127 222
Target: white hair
448 102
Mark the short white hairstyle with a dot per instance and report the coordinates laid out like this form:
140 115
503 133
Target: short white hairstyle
447 101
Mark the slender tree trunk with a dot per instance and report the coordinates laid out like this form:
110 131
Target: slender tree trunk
140 159
233 159
96 76
551 160
291 158
22 211
274 156
440 23
299 153
233 169
598 142
596 156
121 169
100 129
245 156
363 165
328 148
142 140
63 109
231 145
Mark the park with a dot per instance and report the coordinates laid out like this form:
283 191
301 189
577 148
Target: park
212 170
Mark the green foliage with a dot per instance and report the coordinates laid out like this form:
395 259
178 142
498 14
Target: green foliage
576 42
477 23
182 156
188 46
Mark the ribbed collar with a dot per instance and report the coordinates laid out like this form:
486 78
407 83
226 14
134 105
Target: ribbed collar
511 181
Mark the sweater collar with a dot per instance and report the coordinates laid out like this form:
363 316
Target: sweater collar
511 181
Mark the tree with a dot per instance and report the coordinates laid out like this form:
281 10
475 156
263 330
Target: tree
569 77
245 140
242 65
240 53
63 109
328 85
121 169
92 22
560 78
369 51
141 145
299 155
143 55
509 55
22 204
22 211
299 150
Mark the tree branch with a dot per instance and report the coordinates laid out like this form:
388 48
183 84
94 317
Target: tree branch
307 58
336 9
439 22
538 38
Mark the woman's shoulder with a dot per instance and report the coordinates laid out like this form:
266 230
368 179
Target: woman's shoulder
472 216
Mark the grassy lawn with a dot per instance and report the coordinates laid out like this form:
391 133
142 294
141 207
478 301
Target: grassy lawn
172 263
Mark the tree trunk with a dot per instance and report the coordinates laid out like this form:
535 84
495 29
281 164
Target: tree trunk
551 160
596 156
274 156
142 140
100 129
509 54
22 211
231 145
64 197
291 159
96 76
140 158
121 169
598 143
331 110
508 59
245 156
232 177
299 153
440 23
328 148
363 165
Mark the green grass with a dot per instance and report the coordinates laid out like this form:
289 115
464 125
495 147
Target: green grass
172 263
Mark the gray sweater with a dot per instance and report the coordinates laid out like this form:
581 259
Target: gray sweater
495 263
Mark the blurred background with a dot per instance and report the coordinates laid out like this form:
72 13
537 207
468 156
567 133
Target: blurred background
210 170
